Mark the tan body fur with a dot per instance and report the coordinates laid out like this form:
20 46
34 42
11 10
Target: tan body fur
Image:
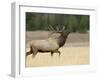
48 45
45 45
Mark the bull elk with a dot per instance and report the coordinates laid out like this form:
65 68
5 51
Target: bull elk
50 44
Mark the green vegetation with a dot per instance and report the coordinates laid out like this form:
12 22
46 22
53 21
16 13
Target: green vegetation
73 23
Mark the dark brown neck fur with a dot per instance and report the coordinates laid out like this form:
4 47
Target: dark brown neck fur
62 39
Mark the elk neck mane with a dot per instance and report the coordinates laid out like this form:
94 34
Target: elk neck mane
62 39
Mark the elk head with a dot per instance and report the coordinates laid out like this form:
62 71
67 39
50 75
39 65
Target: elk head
63 34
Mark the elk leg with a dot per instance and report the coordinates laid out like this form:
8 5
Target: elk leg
34 54
58 52
34 51
51 53
30 52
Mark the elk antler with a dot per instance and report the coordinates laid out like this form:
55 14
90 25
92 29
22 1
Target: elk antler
63 28
60 28
57 28
51 28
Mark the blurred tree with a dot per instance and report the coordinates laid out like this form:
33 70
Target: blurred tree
40 21
84 24
72 23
